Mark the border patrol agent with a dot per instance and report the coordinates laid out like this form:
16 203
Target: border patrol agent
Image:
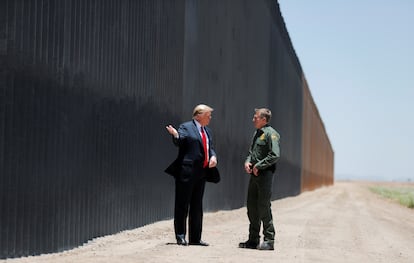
261 164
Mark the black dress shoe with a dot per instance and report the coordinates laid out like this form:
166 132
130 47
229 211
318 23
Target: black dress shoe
181 240
266 246
199 243
248 244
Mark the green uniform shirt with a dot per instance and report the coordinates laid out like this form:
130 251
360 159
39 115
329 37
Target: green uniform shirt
264 151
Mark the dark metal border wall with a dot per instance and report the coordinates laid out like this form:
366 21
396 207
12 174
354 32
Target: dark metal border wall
87 87
317 152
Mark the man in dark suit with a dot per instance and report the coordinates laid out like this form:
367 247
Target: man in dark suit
195 156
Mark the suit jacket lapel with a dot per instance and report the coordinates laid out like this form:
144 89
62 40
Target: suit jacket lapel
195 129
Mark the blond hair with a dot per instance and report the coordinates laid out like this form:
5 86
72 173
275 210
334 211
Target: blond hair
200 109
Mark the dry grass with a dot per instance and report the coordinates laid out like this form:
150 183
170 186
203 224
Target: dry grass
403 195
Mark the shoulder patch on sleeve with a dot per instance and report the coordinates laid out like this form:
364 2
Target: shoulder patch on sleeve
275 136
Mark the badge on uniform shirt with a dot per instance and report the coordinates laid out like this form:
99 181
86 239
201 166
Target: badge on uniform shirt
262 137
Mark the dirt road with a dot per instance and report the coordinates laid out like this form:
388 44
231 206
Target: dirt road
341 223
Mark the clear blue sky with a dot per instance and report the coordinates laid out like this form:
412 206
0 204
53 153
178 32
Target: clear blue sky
358 59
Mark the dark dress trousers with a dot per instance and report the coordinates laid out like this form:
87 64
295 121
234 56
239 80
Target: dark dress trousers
190 179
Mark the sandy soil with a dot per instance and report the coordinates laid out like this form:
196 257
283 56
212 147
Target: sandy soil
340 223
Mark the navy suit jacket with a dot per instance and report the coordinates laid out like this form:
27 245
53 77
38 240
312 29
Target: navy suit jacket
189 162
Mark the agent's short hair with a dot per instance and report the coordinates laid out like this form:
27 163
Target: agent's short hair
264 113
201 108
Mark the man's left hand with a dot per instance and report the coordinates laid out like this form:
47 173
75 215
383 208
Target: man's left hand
213 162
255 171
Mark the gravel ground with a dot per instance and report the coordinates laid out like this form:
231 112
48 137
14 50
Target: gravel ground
345 222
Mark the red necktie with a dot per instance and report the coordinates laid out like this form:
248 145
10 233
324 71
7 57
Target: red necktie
203 136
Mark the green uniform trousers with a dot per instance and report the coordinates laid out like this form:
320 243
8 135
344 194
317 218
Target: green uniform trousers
259 207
